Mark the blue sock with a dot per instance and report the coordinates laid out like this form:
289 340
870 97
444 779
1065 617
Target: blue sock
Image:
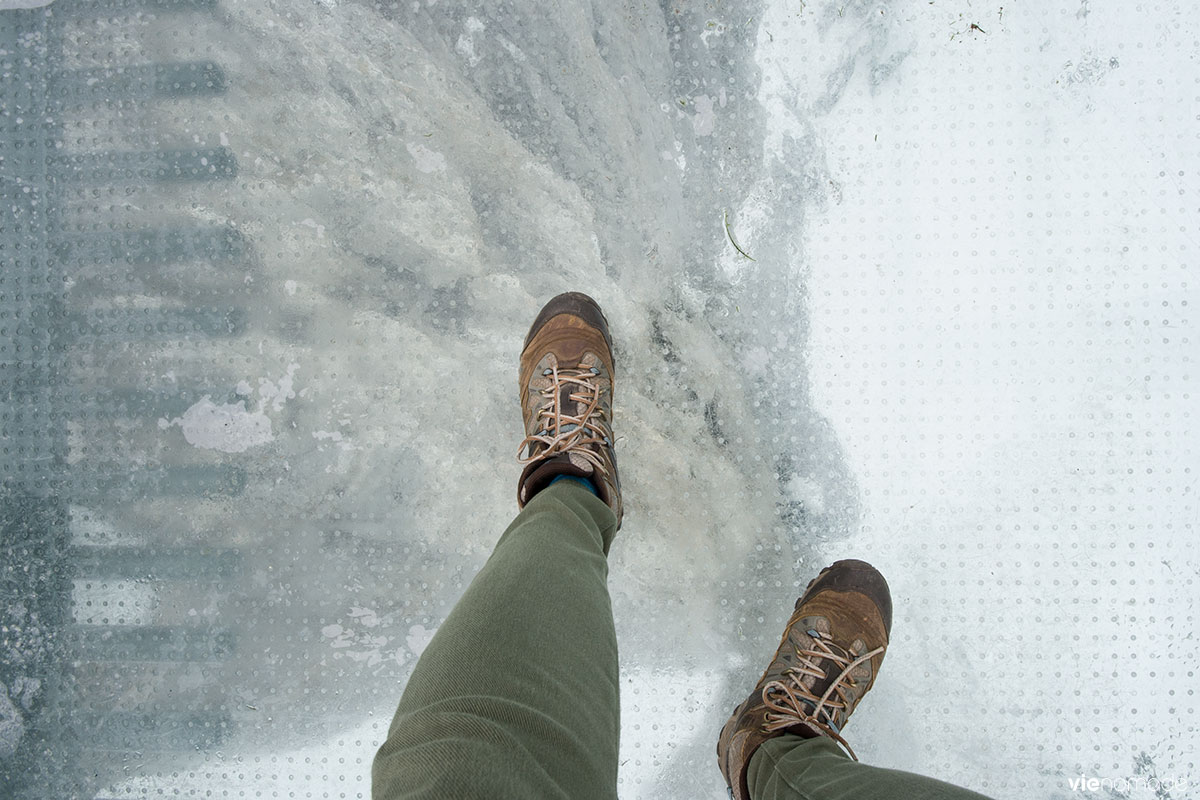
584 482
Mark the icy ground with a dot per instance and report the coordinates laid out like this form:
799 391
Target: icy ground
962 351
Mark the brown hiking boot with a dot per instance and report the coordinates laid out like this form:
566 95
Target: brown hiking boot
566 398
830 654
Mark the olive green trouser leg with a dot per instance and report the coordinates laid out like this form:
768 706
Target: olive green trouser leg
793 768
516 695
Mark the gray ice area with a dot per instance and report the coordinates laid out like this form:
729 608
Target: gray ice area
266 272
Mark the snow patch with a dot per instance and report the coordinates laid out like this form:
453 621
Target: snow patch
705 119
278 393
316 226
419 638
228 427
465 46
426 160
232 427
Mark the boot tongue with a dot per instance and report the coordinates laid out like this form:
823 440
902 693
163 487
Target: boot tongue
830 668
565 406
820 685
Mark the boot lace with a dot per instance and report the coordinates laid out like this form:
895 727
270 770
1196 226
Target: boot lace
568 433
790 703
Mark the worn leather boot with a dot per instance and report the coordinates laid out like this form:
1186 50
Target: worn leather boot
831 651
566 396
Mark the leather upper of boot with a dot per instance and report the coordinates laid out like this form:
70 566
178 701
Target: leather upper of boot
566 385
829 657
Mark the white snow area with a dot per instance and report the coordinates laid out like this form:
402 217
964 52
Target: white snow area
232 427
955 338
228 427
